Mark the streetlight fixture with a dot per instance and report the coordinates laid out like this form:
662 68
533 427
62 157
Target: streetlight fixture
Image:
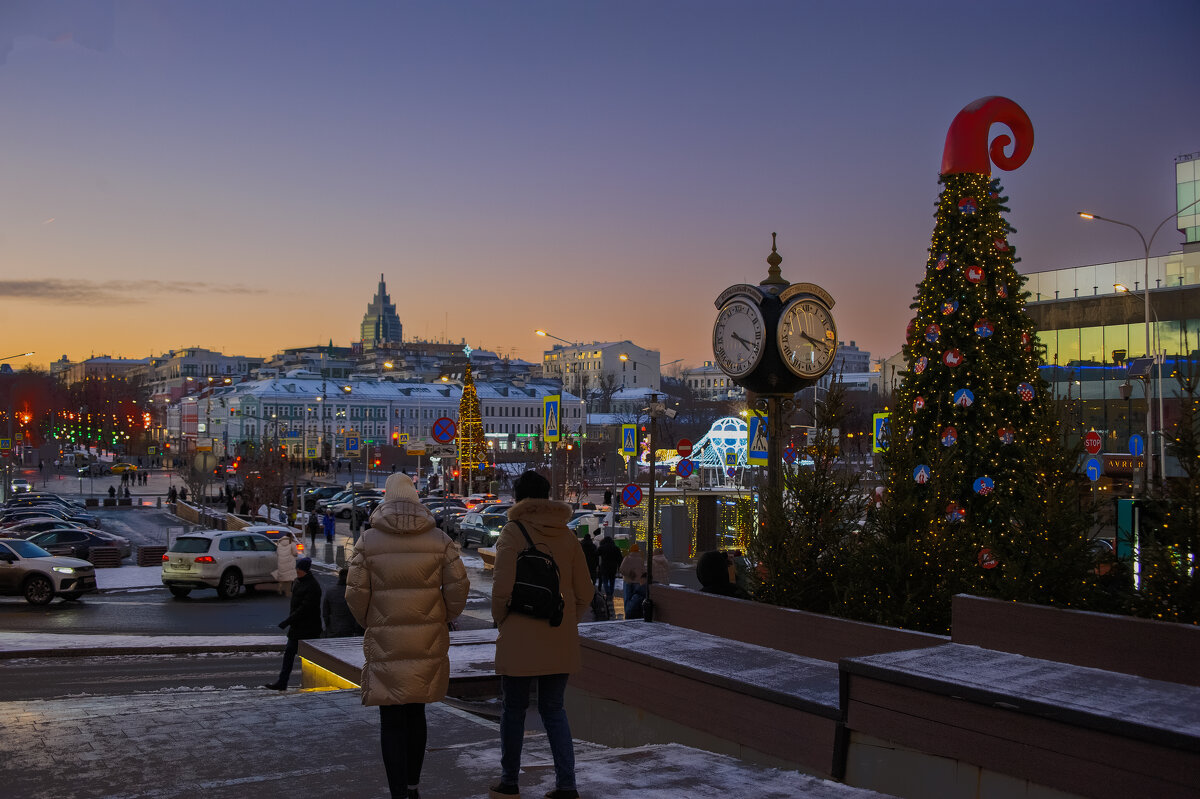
544 334
1146 243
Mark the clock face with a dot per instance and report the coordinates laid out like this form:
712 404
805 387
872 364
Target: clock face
807 338
738 337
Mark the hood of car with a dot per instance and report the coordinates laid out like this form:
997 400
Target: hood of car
63 560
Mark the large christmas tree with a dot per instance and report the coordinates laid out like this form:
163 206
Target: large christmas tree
472 446
982 496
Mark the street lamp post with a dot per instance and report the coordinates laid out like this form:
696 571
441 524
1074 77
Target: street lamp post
1146 244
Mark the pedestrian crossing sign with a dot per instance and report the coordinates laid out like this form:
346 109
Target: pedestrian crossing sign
550 406
310 452
629 440
756 448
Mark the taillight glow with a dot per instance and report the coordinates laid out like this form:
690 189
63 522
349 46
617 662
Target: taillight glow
205 559
165 558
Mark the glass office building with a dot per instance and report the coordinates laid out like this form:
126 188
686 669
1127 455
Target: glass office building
1092 321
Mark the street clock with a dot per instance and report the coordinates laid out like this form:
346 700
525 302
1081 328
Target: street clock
776 337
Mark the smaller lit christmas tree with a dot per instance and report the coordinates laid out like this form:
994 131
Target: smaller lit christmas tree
472 446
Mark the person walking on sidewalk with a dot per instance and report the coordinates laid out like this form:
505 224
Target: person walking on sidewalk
313 527
633 572
329 523
335 613
302 623
406 585
285 563
610 563
529 649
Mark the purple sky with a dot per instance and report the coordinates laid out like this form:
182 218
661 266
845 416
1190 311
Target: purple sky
236 175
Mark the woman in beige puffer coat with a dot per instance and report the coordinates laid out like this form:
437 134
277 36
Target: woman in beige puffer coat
406 583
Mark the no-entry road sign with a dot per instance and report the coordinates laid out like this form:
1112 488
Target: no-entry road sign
684 448
444 430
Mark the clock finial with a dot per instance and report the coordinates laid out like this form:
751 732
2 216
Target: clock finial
773 261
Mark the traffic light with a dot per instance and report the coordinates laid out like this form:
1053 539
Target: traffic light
376 464
396 438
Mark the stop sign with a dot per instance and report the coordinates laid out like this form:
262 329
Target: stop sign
684 448
1091 442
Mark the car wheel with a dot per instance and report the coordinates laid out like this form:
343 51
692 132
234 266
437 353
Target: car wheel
39 590
466 542
344 514
179 593
231 583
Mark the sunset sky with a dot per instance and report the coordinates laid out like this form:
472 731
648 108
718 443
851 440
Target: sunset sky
236 175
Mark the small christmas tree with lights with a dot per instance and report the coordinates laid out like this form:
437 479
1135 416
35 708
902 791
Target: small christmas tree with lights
472 446
982 495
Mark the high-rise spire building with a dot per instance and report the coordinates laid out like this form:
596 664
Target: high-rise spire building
380 324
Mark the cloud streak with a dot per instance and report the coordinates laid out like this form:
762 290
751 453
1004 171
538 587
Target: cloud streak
84 292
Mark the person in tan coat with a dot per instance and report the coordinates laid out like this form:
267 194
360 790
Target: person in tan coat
406 583
529 649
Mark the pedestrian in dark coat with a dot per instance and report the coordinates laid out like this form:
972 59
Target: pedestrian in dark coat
593 557
303 622
329 526
339 621
313 528
610 562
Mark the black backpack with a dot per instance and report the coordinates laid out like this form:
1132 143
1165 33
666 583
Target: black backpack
535 590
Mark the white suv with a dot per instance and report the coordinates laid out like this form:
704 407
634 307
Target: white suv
220 559
30 571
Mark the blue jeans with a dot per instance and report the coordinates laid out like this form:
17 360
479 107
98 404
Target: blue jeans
515 692
608 584
629 589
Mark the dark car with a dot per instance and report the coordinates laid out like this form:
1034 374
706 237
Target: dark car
76 543
39 524
481 529
12 516
451 518
313 495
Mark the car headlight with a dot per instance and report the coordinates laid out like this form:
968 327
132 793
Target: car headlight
63 569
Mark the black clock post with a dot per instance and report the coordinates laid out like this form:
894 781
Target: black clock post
774 339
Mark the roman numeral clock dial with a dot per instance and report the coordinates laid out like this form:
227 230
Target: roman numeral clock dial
807 338
738 337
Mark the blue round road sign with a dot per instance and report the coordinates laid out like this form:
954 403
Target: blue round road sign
684 468
731 472
1136 445
1093 469
631 495
444 430
789 454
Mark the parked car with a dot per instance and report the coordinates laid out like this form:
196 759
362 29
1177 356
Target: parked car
120 467
12 516
77 543
430 501
28 570
224 560
275 532
40 524
313 495
481 528
41 497
342 509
